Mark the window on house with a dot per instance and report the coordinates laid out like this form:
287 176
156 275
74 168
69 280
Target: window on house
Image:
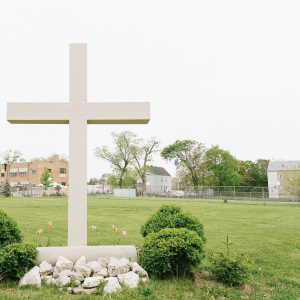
62 171
2 174
49 170
281 187
280 176
166 179
14 174
162 179
23 174
33 172
63 183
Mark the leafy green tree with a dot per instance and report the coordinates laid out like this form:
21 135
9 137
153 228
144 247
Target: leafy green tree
47 179
6 191
254 173
11 157
188 157
222 167
120 158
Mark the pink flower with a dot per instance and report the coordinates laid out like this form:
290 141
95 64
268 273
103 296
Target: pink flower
50 224
124 233
40 231
114 227
94 228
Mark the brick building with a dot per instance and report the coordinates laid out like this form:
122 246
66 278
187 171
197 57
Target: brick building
30 172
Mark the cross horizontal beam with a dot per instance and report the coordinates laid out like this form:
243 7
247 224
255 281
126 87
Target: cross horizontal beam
94 113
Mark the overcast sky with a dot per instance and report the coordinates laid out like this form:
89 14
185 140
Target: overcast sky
218 72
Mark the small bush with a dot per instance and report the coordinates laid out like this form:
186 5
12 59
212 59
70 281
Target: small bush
171 251
172 216
16 259
9 230
232 270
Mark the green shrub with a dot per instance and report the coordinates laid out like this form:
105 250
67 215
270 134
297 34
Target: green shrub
171 251
232 270
9 230
16 259
172 216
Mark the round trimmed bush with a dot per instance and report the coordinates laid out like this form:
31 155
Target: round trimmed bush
171 252
172 216
16 259
9 230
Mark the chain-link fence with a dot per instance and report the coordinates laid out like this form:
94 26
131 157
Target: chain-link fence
229 194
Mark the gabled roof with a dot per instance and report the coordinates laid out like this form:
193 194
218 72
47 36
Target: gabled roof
283 165
159 171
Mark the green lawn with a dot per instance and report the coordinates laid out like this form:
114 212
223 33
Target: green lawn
269 234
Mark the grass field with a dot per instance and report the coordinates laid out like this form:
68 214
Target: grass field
269 234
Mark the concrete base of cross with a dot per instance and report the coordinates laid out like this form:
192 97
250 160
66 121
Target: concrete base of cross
91 253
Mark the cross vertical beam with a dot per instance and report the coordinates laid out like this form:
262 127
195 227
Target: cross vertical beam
77 203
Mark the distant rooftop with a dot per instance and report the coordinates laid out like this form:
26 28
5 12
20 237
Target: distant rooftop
283 165
159 171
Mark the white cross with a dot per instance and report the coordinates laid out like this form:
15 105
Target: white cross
78 113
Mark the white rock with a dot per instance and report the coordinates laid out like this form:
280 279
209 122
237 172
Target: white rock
116 267
80 290
62 264
121 277
48 279
54 281
136 268
144 279
112 285
95 266
45 268
91 282
125 265
63 280
103 261
131 279
102 273
75 275
81 267
31 278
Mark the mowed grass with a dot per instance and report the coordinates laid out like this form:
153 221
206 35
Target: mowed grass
269 235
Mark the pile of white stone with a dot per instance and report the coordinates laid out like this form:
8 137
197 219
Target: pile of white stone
87 276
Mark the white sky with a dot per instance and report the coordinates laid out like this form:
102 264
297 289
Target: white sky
218 72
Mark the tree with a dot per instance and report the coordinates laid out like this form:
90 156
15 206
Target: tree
11 157
291 180
121 157
63 159
6 191
47 179
254 173
222 167
142 155
188 157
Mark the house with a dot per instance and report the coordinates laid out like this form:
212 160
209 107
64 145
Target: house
30 172
158 181
277 177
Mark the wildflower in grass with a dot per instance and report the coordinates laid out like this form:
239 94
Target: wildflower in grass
124 233
40 231
114 227
94 228
50 224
